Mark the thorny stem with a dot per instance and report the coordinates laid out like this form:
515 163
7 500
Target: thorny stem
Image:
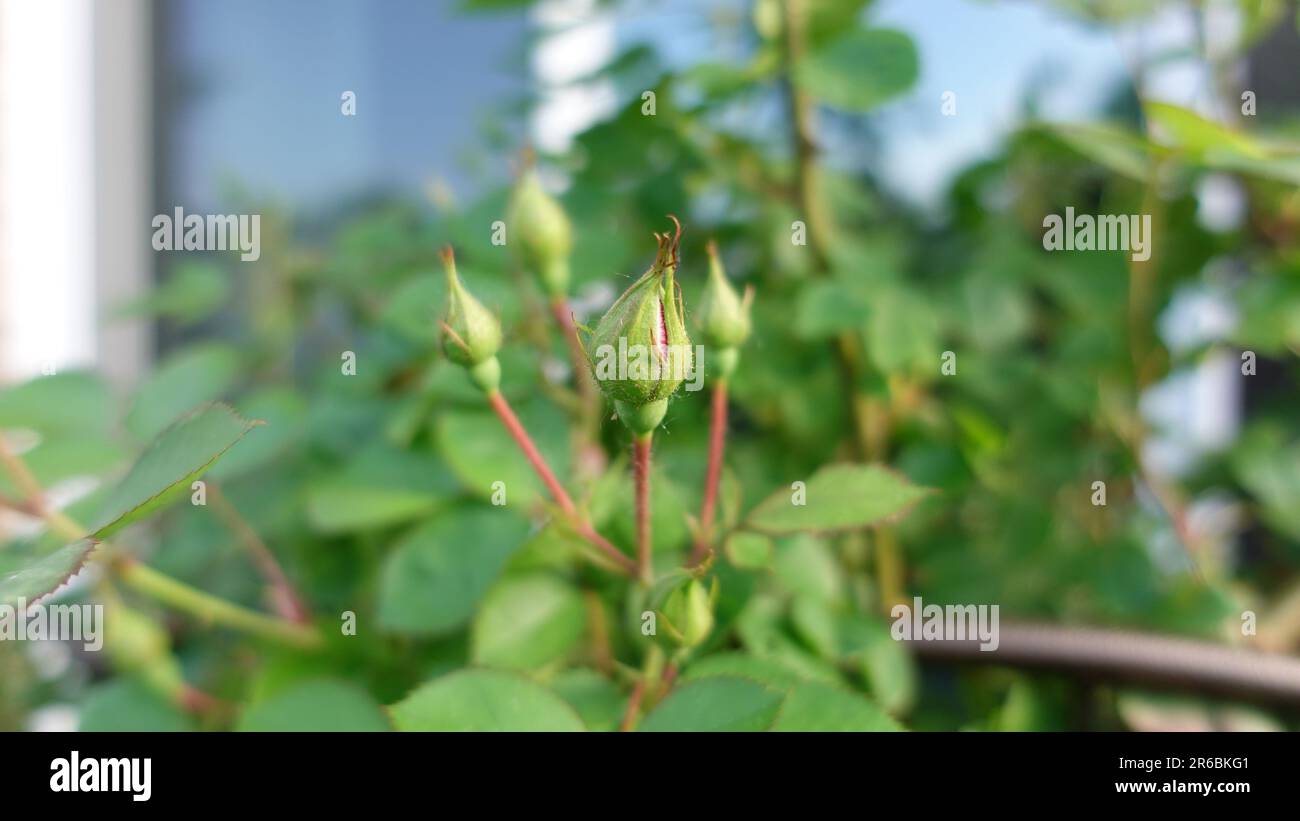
717 442
146 579
641 476
283 596
557 491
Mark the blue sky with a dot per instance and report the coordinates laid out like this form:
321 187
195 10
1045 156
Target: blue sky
272 74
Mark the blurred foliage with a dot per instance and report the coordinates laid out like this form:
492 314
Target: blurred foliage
373 490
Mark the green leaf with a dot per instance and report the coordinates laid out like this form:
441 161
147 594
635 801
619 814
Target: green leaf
126 705
828 19
815 623
903 332
434 578
1284 168
769 672
1269 468
196 291
285 414
412 309
318 706
493 5
484 701
554 546
163 474
837 497
860 69
827 308
1111 147
71 402
480 451
44 575
1192 132
186 379
67 455
749 551
527 622
382 486
815 707
888 668
715 704
598 700
806 566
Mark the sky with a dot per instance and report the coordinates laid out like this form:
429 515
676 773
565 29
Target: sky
269 78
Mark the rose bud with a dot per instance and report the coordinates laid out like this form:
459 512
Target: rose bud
541 234
723 317
688 613
640 353
471 334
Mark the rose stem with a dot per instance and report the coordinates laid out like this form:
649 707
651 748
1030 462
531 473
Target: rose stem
717 441
561 496
641 474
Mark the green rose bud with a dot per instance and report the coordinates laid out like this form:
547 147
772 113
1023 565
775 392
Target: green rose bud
640 353
471 334
724 317
541 233
688 613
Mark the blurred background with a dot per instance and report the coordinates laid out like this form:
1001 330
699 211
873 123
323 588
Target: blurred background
934 163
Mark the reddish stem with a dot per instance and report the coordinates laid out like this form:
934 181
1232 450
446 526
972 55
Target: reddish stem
561 496
641 474
633 707
669 679
284 597
525 442
717 440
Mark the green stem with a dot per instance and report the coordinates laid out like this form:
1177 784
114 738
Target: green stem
163 587
209 608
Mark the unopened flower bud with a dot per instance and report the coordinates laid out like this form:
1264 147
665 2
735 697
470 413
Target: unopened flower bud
471 334
689 613
541 232
724 316
640 353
